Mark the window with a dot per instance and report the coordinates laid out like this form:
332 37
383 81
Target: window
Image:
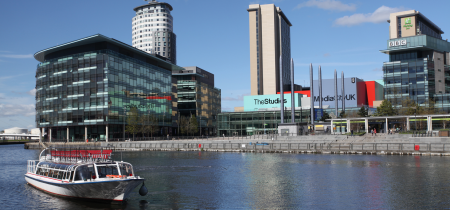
164 54
165 43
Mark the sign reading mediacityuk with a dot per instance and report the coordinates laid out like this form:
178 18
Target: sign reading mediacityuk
256 102
328 95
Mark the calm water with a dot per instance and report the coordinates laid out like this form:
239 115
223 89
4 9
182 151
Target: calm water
200 180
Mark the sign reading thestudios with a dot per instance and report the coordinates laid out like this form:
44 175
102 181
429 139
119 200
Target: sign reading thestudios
256 102
268 101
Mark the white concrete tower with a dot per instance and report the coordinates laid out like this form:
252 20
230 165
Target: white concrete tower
152 30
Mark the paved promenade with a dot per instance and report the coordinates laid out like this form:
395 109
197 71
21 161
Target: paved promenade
335 144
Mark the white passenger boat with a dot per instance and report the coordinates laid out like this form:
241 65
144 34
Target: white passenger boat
86 174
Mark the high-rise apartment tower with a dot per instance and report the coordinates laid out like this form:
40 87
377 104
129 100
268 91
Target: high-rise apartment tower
269 38
153 30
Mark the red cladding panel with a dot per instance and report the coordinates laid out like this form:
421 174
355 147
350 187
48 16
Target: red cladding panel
303 92
361 91
370 88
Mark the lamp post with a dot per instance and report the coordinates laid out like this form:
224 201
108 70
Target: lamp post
124 115
415 121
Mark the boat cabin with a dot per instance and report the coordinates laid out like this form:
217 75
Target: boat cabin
84 172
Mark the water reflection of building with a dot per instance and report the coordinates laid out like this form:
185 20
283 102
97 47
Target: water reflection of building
197 96
85 88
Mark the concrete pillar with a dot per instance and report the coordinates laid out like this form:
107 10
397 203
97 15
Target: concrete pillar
430 123
50 136
387 126
366 125
407 124
348 126
85 133
332 126
41 133
106 136
67 134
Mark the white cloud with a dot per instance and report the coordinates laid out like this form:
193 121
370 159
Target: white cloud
17 109
32 92
332 5
17 56
326 55
380 15
377 69
238 98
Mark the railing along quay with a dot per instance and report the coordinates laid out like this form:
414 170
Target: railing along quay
294 147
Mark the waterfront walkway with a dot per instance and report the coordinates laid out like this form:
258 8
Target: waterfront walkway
339 144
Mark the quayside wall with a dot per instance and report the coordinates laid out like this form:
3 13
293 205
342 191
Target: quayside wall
392 148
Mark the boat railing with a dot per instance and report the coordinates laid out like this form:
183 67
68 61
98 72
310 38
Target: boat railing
31 166
75 155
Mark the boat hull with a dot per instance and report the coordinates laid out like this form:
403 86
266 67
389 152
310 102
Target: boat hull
114 190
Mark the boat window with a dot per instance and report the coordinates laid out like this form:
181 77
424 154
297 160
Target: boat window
126 169
60 174
84 172
50 173
39 171
104 170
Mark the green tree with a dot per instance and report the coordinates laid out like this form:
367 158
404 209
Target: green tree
385 109
184 125
193 125
363 112
149 124
342 114
133 122
325 116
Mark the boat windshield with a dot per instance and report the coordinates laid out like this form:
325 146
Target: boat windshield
107 169
84 172
126 169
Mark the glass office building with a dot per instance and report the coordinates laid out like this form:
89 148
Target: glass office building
418 66
257 122
86 88
198 97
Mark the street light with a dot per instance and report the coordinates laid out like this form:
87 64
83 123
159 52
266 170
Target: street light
124 115
415 121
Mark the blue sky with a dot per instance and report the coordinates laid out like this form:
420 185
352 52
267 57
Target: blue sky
211 34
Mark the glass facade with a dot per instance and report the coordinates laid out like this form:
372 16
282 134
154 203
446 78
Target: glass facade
413 78
417 69
285 51
95 89
254 123
199 99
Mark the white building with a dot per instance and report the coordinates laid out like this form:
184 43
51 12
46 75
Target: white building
16 130
152 30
